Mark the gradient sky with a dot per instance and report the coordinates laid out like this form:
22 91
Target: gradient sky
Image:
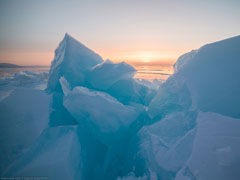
155 31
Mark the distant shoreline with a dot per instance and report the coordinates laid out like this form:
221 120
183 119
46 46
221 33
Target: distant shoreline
9 65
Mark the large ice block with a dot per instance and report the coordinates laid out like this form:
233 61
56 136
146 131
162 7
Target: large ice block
108 119
72 60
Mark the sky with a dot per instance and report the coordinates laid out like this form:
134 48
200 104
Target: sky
135 31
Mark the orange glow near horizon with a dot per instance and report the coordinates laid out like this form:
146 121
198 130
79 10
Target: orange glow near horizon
134 58
143 57
137 32
138 52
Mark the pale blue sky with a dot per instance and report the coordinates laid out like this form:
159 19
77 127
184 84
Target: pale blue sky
151 30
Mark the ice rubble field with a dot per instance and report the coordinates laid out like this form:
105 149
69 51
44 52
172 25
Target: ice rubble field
95 121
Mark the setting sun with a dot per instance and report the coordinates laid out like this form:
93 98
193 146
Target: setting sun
146 57
146 60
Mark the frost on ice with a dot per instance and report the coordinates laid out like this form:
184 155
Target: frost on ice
96 121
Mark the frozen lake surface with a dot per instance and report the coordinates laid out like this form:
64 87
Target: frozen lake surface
148 71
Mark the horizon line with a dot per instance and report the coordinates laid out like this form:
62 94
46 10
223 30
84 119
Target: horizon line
133 63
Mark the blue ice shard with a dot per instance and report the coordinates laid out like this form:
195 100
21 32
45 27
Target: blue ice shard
72 60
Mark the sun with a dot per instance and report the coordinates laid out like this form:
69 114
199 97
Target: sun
146 57
146 60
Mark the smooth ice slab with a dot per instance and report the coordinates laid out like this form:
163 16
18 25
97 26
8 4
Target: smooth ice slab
24 115
212 75
54 155
216 149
